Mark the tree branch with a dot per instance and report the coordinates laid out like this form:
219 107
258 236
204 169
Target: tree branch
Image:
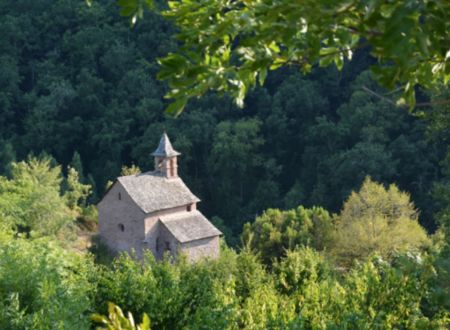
388 100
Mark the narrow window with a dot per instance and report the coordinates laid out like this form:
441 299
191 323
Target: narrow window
157 244
167 246
120 197
172 169
121 227
189 208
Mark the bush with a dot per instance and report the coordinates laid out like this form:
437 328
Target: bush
276 231
43 287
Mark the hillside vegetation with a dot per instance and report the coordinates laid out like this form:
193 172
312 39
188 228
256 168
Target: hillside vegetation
335 203
370 266
79 84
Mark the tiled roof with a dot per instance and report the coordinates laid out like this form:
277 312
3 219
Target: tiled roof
152 191
165 148
189 226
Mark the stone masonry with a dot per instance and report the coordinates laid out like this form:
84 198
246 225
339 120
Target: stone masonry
155 211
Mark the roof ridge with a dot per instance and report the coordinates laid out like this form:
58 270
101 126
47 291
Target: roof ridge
152 173
155 192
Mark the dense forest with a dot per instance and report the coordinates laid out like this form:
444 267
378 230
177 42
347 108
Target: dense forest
81 87
80 103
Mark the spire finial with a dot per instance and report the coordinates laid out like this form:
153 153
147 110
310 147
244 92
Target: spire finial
165 148
166 158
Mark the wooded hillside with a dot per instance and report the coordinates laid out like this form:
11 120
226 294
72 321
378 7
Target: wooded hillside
79 84
334 202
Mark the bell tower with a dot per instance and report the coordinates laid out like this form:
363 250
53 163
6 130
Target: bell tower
166 158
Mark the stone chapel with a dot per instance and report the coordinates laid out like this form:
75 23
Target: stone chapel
156 211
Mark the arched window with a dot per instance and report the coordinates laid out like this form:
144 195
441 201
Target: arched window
189 208
120 197
121 227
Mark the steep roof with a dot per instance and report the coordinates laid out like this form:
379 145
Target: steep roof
165 148
152 191
189 226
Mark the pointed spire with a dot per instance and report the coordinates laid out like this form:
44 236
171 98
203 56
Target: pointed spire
165 148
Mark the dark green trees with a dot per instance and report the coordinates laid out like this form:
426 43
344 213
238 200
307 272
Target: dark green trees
85 86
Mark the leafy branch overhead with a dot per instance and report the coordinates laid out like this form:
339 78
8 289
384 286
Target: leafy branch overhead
229 46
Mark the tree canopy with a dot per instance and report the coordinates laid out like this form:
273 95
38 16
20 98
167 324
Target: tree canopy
229 46
377 220
43 285
78 84
275 231
90 99
373 220
38 200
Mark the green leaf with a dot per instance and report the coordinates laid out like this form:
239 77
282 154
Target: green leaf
127 7
262 76
339 61
150 4
423 43
386 10
145 325
328 51
273 46
173 61
326 61
278 62
175 108
99 318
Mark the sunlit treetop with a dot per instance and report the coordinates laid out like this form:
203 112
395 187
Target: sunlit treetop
229 46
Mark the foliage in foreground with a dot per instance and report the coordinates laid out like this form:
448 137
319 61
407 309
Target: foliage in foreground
117 321
442 190
229 46
43 286
302 292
